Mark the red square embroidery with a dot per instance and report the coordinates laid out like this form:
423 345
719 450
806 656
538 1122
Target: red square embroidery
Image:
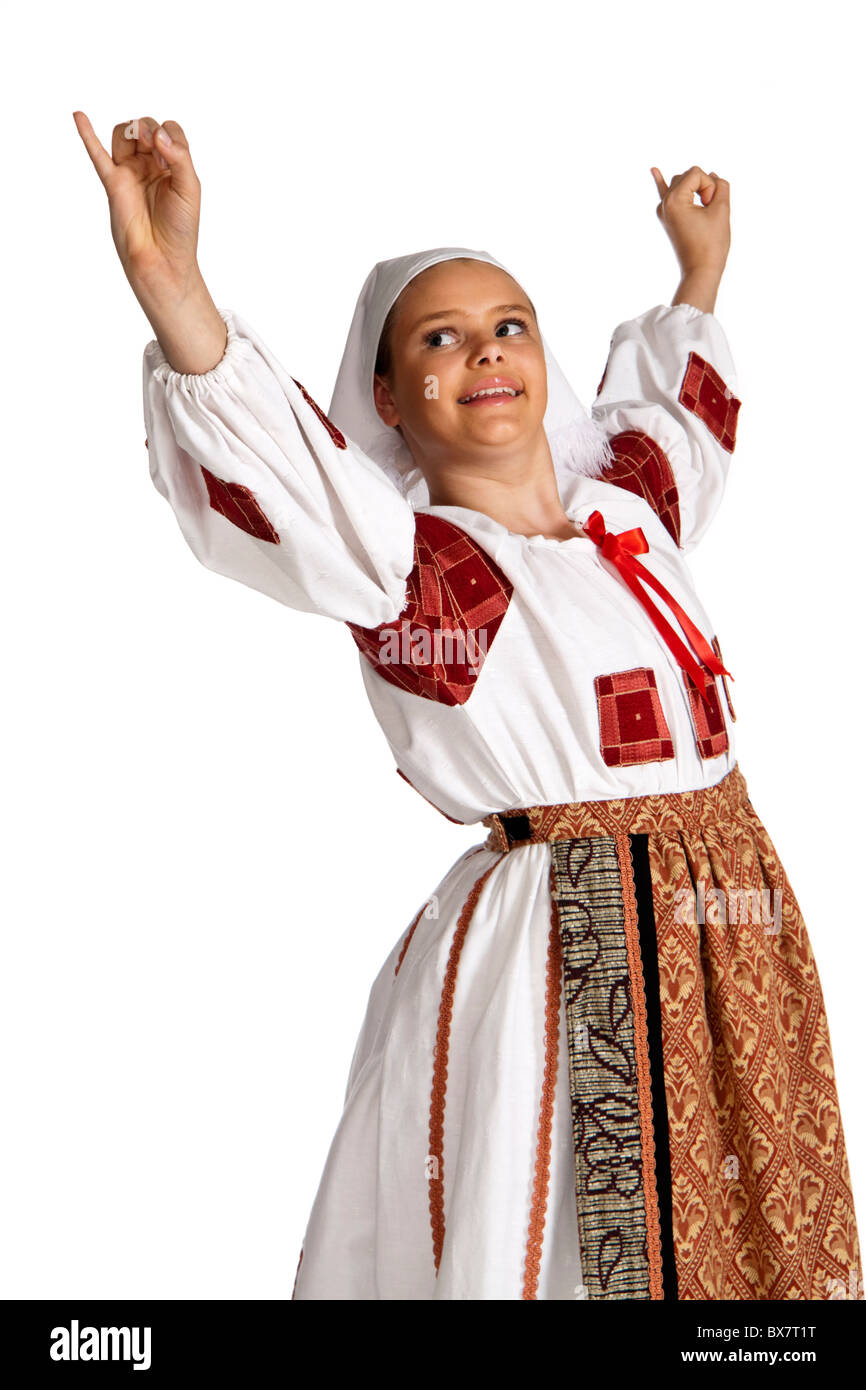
711 732
705 394
238 505
631 720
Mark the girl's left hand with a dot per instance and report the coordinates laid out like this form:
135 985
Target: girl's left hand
701 236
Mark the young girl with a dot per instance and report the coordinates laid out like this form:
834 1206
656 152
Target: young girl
596 1062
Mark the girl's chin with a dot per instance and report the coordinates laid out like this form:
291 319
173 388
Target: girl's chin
482 421
497 432
479 435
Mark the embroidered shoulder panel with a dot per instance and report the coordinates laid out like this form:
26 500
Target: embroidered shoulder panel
643 467
457 597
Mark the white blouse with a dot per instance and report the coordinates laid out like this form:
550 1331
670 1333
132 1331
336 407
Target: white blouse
504 670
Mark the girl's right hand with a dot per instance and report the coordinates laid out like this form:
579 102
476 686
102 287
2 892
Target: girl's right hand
154 199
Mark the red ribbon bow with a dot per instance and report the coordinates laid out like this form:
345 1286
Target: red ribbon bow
620 549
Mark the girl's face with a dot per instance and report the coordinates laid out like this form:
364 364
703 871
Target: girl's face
461 326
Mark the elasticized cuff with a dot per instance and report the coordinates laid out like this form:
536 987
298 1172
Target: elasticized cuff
236 349
690 312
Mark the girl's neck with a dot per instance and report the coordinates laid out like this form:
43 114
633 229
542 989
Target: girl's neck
529 506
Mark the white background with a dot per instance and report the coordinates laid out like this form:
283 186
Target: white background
208 852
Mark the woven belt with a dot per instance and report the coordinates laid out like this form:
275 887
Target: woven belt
662 811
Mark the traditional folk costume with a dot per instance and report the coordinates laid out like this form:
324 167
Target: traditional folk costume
596 1063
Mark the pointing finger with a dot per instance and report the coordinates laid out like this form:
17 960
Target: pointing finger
101 159
659 181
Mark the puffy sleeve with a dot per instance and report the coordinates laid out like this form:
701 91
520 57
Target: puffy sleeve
268 491
668 402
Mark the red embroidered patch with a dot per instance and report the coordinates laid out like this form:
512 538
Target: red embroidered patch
456 599
412 925
718 651
238 505
632 725
705 394
711 733
643 467
337 435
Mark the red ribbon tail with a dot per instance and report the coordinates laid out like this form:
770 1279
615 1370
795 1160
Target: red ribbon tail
683 655
704 665
706 657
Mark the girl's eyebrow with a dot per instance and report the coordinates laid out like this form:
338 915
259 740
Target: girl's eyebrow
453 313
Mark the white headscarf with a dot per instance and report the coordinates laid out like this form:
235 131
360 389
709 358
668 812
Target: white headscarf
578 445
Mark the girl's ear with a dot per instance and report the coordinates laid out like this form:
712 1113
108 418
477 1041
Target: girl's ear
384 401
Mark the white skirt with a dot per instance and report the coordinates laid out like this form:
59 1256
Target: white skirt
431 1189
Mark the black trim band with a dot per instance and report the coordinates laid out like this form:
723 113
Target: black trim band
516 828
649 959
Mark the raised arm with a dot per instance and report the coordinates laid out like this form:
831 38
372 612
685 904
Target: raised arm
668 395
700 236
265 489
154 201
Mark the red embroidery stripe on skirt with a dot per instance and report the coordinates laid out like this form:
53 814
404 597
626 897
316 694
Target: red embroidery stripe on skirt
440 1069
297 1272
415 922
538 1212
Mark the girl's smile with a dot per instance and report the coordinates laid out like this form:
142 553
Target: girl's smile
493 390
